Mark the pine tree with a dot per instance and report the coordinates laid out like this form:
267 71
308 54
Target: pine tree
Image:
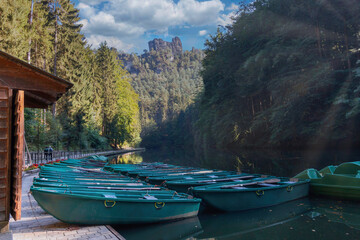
14 27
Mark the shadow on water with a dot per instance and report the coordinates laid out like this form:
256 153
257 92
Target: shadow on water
272 162
307 218
183 229
301 219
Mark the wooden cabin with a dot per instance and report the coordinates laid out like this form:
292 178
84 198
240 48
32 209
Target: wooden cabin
21 85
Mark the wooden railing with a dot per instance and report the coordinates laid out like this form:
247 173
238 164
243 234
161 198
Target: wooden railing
41 157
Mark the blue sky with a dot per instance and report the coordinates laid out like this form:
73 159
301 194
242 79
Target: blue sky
129 24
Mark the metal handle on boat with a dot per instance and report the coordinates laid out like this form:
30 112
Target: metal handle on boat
159 205
66 190
289 188
259 193
109 201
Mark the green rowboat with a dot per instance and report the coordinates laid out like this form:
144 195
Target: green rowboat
341 181
183 185
252 194
96 208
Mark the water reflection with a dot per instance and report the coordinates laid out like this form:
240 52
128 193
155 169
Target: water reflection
347 212
272 162
183 229
305 218
308 218
127 158
230 225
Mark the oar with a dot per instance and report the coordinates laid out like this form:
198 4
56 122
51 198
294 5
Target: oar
87 170
227 179
272 180
100 179
132 189
190 173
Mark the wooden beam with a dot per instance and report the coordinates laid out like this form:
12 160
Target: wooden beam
42 97
34 102
17 157
11 60
41 88
30 81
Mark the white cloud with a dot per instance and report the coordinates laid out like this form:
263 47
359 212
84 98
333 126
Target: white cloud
126 20
200 13
86 10
233 7
92 2
105 24
226 19
95 41
161 14
202 33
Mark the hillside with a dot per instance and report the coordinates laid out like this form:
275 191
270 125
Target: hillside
167 80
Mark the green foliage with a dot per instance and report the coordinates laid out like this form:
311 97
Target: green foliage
119 102
166 84
284 74
101 109
14 27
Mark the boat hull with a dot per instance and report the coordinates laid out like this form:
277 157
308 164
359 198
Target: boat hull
341 182
93 211
335 191
238 200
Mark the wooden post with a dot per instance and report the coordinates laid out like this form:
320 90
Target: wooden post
5 137
17 156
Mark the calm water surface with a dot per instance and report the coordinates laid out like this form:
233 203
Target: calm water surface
308 218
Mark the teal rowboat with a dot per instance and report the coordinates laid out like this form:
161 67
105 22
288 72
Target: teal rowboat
81 192
111 208
158 180
341 181
183 185
252 194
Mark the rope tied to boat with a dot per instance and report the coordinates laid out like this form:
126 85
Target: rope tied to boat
175 193
109 201
260 193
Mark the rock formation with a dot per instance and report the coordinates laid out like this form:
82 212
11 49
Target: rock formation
158 44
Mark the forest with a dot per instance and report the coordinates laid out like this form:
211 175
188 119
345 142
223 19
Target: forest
285 74
167 83
101 110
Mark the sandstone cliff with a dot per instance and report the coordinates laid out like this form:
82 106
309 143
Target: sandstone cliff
158 44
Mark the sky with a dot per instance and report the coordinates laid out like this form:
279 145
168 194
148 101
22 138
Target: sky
128 25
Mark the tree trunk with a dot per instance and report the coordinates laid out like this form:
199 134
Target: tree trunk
347 50
55 38
252 107
318 39
53 109
30 23
55 52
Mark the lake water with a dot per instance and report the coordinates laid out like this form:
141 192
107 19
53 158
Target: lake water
307 218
